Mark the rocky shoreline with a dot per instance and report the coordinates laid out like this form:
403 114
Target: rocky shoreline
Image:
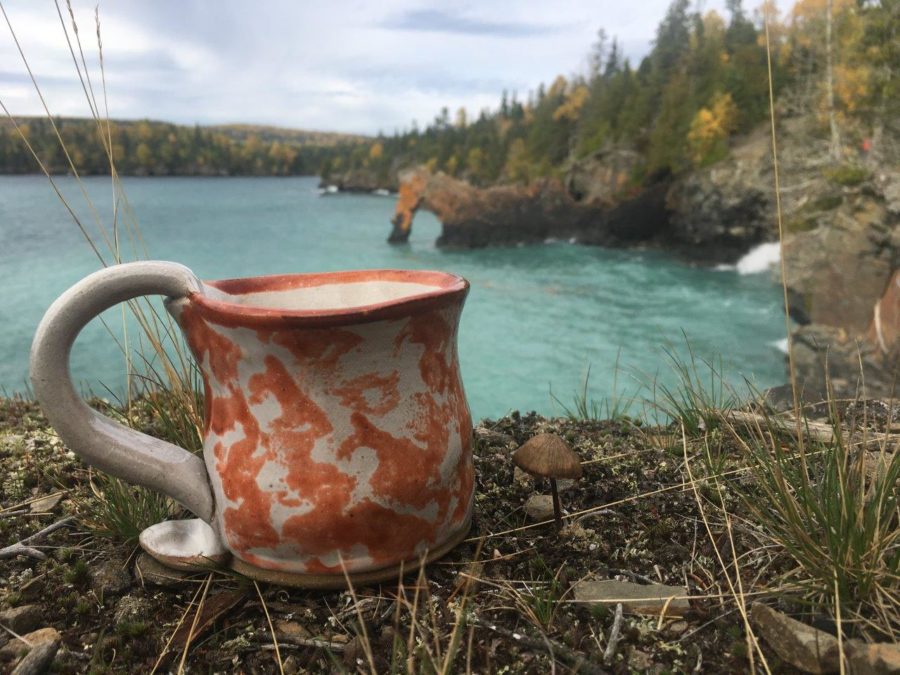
841 224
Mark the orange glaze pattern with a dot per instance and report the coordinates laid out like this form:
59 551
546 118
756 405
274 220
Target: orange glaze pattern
333 441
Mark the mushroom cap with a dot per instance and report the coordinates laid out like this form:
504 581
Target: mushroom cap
548 456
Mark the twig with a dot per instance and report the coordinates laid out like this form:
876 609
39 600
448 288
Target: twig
577 662
21 547
293 641
614 634
271 629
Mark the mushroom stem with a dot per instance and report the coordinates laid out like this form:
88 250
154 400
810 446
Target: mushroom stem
557 510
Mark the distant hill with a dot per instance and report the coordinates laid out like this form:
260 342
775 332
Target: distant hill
153 148
283 134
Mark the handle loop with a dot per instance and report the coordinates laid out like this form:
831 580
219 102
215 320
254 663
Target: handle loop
103 443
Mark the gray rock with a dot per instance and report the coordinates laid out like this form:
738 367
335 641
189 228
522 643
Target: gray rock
636 598
46 504
874 659
22 619
539 507
110 578
148 570
131 609
804 647
16 647
38 660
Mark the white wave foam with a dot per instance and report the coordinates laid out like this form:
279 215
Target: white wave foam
781 345
760 259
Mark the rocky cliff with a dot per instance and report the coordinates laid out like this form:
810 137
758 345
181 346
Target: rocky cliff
841 225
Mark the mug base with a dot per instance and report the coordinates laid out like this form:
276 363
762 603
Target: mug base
340 581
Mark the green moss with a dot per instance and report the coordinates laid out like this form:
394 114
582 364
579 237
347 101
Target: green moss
77 574
848 175
827 202
132 629
800 223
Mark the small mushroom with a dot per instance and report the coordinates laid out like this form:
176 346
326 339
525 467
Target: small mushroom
549 456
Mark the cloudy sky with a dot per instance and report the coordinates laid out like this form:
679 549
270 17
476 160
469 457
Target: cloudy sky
343 65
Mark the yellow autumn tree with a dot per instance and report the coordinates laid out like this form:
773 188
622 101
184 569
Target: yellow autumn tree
573 104
517 167
710 128
376 151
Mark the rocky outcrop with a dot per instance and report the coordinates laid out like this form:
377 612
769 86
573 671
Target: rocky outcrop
502 215
514 214
679 217
720 212
844 280
357 180
603 178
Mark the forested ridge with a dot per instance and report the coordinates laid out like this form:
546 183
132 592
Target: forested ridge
146 147
704 82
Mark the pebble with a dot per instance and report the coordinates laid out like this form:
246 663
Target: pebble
291 630
22 619
38 659
539 507
36 637
874 659
131 609
109 578
804 647
637 598
46 504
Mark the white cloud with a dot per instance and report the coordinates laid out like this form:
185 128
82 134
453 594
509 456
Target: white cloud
347 66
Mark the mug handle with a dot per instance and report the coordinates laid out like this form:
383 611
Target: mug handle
103 443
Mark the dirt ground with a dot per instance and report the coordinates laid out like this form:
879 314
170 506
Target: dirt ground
503 601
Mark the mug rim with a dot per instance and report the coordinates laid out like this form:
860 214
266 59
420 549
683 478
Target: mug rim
448 288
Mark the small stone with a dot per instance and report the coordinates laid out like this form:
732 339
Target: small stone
46 504
34 638
539 507
38 659
148 570
22 619
110 578
131 609
640 661
804 647
636 598
291 631
874 659
291 665
677 628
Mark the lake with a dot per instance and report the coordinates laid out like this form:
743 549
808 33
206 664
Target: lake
537 318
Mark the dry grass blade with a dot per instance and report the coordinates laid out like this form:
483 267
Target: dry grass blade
271 628
165 649
736 593
190 633
366 645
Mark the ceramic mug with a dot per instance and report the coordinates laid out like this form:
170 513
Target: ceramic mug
337 434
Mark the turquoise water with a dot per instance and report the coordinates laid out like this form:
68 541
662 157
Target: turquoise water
537 317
